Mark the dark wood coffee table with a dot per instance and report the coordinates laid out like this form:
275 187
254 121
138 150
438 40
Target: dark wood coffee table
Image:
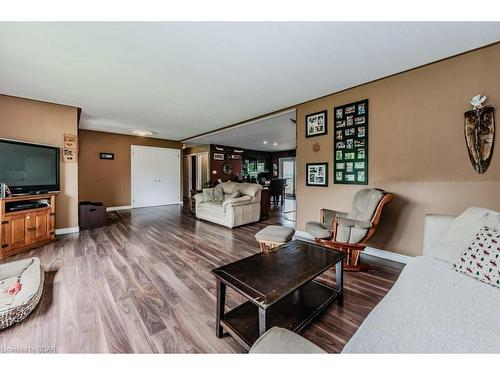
280 289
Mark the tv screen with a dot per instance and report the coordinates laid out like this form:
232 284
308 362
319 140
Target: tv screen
27 168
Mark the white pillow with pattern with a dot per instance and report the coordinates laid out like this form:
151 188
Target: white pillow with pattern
481 259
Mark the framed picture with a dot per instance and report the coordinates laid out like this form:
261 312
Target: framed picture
316 124
107 156
234 156
218 156
351 143
317 174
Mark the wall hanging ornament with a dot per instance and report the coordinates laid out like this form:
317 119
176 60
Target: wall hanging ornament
480 133
316 147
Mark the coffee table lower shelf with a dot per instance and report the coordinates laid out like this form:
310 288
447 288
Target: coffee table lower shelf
294 312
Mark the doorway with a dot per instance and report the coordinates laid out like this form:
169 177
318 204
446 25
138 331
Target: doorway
155 176
196 172
287 170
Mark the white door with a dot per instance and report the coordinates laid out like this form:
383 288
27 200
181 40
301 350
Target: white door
155 174
168 167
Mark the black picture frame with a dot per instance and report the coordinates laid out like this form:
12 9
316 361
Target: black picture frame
325 115
219 156
309 172
107 156
350 135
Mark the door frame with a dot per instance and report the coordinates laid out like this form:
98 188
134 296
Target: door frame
132 187
280 162
199 182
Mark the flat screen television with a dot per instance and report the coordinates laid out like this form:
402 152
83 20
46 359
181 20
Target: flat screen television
29 168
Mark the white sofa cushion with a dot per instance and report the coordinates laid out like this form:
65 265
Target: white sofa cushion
481 259
461 231
432 309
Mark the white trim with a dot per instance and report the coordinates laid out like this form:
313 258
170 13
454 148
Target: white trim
369 250
62 231
118 208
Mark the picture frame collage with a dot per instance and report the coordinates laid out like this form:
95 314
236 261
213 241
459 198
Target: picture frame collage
351 143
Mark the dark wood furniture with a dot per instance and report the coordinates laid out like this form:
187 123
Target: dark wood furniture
353 250
280 289
264 203
26 229
277 190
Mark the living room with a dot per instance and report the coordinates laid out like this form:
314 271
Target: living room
174 200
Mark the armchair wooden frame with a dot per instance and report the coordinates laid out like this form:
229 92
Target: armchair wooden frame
351 262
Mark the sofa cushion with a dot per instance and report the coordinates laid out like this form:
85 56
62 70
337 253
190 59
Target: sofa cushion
208 195
283 341
237 201
481 259
432 309
214 208
236 193
229 186
319 230
218 194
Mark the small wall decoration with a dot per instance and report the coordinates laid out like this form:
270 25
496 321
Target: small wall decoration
317 174
70 153
107 156
227 169
351 143
316 124
316 147
233 156
480 133
218 156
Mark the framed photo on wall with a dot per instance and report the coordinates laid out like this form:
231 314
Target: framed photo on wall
317 174
218 156
351 143
316 124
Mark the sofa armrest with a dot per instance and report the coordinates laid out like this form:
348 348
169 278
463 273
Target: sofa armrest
240 201
354 223
198 198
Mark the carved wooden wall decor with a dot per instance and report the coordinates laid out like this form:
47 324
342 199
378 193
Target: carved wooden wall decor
480 134
316 147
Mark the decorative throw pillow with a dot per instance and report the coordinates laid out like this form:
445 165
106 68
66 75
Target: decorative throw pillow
481 260
236 193
218 194
208 195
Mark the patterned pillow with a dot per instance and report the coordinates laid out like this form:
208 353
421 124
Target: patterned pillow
219 194
481 260
208 195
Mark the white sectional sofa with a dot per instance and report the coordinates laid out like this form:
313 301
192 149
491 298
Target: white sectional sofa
231 212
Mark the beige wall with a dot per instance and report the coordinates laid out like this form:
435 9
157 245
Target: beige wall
46 123
108 181
416 147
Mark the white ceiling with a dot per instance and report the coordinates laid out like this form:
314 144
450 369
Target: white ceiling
273 129
183 79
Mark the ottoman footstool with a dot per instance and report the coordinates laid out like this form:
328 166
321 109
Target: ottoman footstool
273 236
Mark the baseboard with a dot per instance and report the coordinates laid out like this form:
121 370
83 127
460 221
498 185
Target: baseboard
118 208
61 231
369 250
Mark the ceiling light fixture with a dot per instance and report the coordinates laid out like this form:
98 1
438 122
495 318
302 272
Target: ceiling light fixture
265 142
275 143
141 133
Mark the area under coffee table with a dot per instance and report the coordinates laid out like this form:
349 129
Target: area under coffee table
280 290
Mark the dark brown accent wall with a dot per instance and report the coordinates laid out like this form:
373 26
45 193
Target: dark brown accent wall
108 181
417 148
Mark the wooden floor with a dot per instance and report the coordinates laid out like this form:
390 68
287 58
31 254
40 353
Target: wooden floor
143 284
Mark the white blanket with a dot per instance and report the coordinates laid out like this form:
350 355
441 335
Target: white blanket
432 309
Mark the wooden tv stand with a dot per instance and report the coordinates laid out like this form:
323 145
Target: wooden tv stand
26 229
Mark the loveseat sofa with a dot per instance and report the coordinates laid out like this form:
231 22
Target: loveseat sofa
230 204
